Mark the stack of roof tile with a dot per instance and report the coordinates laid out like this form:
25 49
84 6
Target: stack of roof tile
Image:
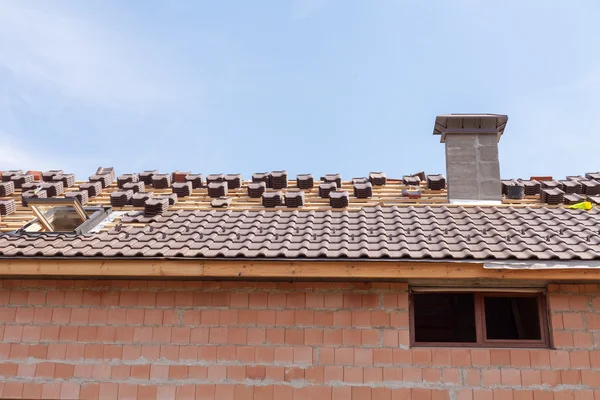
294 199
7 175
262 177
573 198
593 176
571 186
217 189
221 202
215 178
156 206
68 180
234 181
182 189
19 180
47 175
325 188
505 183
279 179
532 187
179 177
552 196
171 198
126 178
551 184
32 194
31 186
104 179
146 176
377 178
7 188
594 199
139 199
161 181
590 187
339 199
363 190
411 180
53 189
271 199
107 171
256 189
137 187
337 178
121 198
411 194
93 188
436 182
197 180
7 207
81 195
360 180
305 181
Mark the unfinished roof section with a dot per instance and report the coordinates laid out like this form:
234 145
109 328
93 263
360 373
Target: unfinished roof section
466 123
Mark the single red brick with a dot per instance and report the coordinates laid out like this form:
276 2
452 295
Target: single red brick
559 359
433 375
64 371
304 317
462 357
551 378
579 303
314 300
539 358
344 356
244 354
303 355
45 370
421 356
559 302
580 359
264 355
353 375
120 372
285 317
563 339
583 340
30 391
463 394
293 374
531 377
342 319
570 377
313 336
177 372
327 355
323 318
141 372
442 357
12 390
491 377
402 357
333 337
220 299
294 336
266 317
412 374
500 357
591 378
370 337
207 353
399 319
510 377
169 352
284 355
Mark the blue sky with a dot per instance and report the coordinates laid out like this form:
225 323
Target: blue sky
317 86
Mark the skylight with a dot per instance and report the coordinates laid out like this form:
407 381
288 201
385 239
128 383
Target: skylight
65 215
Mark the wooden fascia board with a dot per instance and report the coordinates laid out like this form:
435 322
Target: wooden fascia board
240 269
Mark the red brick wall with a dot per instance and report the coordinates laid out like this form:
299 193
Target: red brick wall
248 340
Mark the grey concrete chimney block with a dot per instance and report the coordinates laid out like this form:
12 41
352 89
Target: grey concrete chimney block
472 166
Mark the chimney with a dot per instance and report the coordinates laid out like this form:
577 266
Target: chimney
472 166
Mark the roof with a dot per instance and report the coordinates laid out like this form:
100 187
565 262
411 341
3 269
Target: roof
393 223
423 232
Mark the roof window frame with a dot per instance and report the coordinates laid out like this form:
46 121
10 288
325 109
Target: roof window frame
88 222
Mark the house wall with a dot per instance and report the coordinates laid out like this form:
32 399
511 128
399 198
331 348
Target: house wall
264 340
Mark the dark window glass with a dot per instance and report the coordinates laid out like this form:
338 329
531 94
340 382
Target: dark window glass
444 317
512 318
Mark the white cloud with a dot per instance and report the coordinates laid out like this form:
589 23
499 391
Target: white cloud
78 58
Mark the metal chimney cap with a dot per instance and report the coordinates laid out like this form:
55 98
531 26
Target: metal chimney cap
469 124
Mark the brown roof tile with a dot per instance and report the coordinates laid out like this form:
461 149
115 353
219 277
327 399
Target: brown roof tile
435 232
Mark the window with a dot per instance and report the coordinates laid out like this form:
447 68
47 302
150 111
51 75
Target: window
478 319
63 215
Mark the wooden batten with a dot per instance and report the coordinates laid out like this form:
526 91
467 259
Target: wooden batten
309 270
